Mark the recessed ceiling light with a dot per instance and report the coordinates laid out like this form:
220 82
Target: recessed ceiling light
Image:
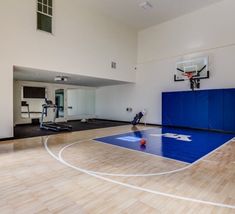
146 5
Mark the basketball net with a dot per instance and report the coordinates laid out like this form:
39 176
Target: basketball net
189 75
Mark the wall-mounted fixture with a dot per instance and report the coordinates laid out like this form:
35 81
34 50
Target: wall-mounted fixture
113 65
61 79
129 109
146 5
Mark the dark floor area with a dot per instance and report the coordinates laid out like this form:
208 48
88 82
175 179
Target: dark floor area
29 130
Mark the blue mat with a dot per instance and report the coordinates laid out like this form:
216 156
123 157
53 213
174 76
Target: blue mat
178 144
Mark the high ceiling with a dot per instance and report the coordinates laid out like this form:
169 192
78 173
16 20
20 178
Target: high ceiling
129 12
36 75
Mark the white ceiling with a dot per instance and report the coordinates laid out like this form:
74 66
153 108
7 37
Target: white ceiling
129 12
35 75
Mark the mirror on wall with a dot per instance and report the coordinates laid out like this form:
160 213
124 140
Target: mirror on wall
81 102
59 101
32 99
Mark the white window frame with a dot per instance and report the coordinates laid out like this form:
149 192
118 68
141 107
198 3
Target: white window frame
46 14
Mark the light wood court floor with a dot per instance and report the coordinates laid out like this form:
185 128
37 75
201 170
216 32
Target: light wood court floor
33 181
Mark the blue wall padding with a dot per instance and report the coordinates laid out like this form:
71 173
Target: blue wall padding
173 112
201 108
216 111
206 109
187 102
229 110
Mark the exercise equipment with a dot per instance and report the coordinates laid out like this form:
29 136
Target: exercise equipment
52 125
84 120
25 104
138 117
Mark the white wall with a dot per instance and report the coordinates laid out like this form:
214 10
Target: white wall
112 101
6 92
207 32
83 42
202 30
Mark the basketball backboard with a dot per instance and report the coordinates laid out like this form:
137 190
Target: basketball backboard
198 68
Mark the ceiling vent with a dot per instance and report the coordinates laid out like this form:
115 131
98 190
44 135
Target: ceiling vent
145 5
61 79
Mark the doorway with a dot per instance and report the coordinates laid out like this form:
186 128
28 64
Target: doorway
60 98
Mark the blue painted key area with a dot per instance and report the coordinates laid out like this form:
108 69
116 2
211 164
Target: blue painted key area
178 144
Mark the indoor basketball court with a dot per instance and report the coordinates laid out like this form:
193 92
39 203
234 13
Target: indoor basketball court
169 167
112 107
179 164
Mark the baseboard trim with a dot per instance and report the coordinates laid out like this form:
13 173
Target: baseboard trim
25 124
128 122
109 120
168 126
6 139
199 129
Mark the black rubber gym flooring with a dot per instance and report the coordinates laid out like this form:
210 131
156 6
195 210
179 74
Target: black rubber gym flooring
29 130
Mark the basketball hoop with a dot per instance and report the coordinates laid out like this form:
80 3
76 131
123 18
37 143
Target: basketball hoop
189 75
192 70
194 83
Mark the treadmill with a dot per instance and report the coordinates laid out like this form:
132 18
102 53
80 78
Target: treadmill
57 127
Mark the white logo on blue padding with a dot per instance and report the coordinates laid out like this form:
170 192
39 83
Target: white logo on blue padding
129 138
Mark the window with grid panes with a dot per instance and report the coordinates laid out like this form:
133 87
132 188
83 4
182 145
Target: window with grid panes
44 15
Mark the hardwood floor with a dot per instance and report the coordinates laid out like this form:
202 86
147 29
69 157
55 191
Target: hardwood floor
32 181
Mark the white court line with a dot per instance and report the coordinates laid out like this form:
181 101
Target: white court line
128 175
145 153
136 187
124 175
146 174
